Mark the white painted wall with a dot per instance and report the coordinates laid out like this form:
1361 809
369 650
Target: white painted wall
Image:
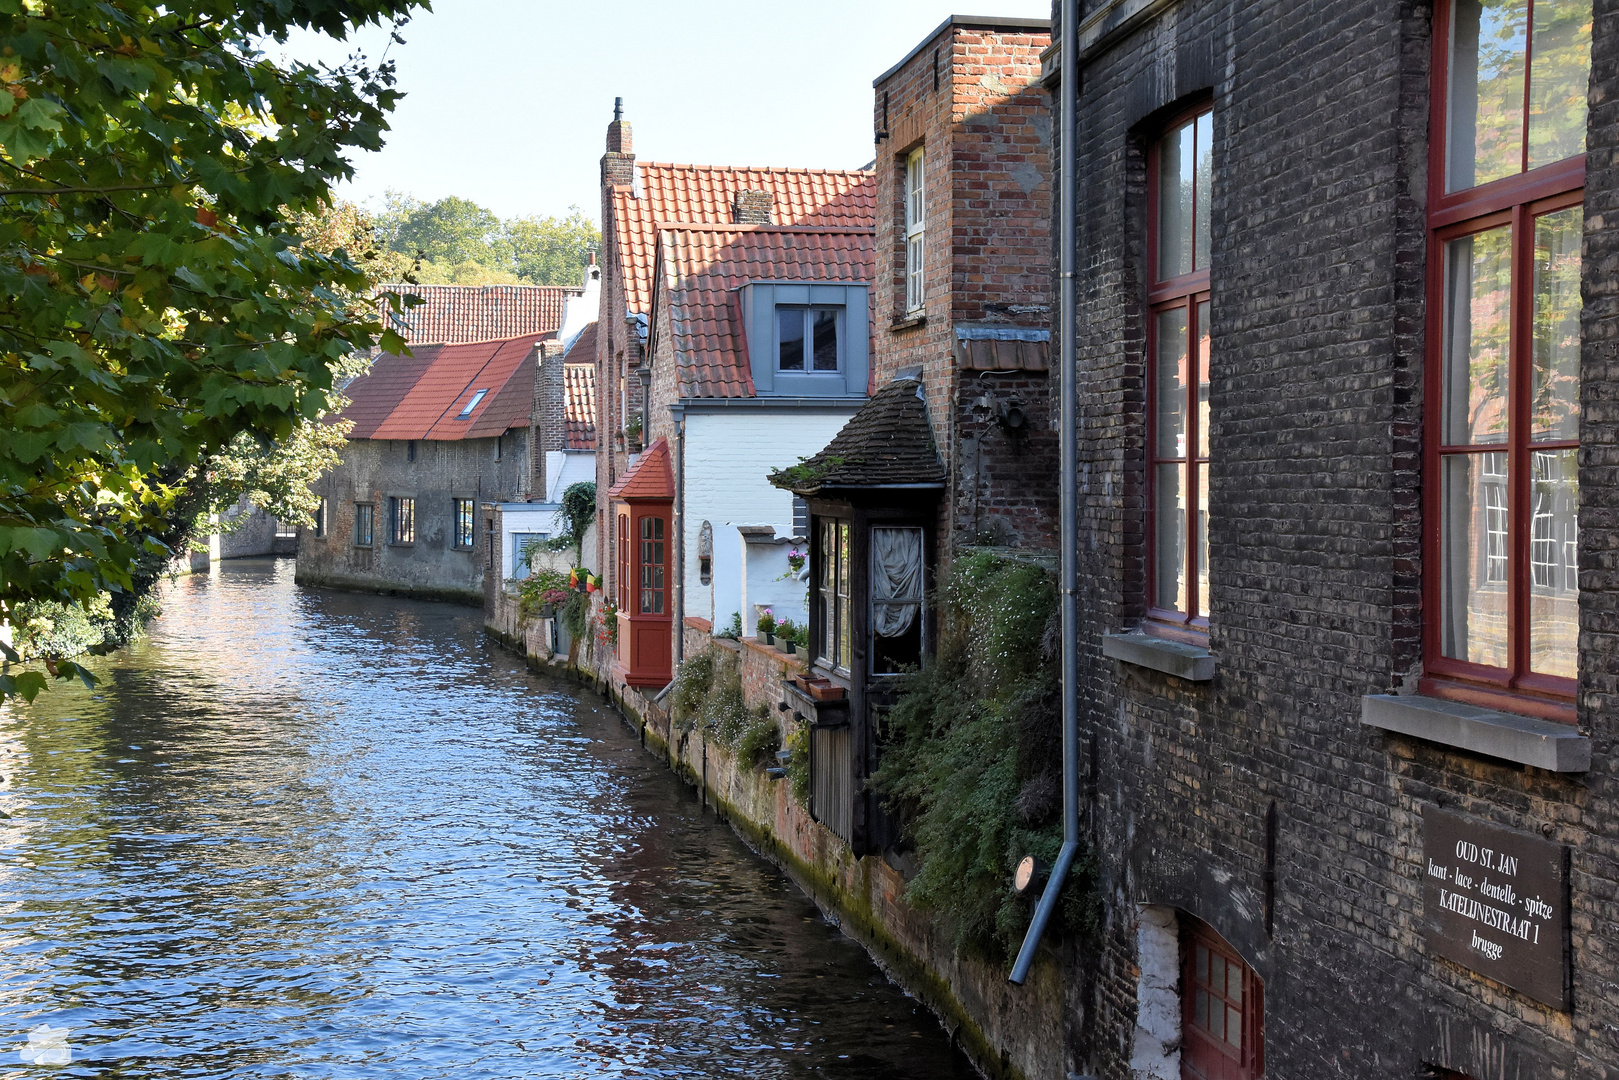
1156 1054
729 454
565 468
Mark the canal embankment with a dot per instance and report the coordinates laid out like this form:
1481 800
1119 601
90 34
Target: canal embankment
1012 1032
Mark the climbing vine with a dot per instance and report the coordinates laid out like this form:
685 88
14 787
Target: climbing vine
972 756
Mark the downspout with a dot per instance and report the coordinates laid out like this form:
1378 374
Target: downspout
679 414
1068 492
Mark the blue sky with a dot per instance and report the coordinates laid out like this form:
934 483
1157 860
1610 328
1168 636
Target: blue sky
508 101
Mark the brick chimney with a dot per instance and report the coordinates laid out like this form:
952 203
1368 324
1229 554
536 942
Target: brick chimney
753 207
618 164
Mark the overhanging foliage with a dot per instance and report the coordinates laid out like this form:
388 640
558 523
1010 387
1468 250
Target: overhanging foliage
157 302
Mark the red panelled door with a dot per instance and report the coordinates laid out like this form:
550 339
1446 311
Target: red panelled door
1222 1013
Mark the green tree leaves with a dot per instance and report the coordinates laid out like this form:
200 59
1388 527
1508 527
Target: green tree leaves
461 243
157 301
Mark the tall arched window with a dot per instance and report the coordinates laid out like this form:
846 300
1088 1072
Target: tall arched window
1502 480
1180 177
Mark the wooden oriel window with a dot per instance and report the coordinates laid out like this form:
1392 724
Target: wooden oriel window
1507 219
1222 1012
1180 177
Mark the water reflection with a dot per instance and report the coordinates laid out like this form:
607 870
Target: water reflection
308 834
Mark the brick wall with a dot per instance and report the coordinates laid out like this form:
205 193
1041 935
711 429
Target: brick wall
1317 277
548 422
969 97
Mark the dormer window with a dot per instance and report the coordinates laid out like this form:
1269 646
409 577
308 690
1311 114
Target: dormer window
472 403
807 339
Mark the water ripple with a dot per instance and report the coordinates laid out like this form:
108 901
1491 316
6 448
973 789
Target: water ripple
305 834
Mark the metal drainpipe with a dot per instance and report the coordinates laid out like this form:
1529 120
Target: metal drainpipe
1068 491
680 536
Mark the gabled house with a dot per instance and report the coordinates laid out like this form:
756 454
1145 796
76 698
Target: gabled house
736 330
957 447
444 439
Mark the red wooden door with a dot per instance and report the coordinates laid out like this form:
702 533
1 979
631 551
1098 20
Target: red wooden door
1222 1013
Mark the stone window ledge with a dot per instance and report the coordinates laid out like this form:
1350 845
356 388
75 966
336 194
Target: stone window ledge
1545 744
1190 662
908 321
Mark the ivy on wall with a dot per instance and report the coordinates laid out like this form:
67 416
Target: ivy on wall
972 757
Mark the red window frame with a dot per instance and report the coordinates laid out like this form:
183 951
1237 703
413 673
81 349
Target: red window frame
1515 201
1187 291
1208 1054
624 579
652 564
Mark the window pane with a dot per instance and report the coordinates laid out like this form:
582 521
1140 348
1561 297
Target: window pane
913 190
1200 1014
1202 540
1169 526
825 336
1233 983
1170 387
1559 78
914 294
1233 1027
1555 408
1488 48
1203 379
1473 558
844 607
828 589
1478 300
791 323
1554 590
1176 171
1203 963
896 593
1205 181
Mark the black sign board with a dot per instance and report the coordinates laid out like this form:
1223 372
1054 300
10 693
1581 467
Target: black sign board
1496 901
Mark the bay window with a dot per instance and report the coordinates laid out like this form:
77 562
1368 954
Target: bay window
1180 179
1507 221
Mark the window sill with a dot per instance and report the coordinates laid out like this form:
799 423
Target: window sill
1190 662
909 322
1544 744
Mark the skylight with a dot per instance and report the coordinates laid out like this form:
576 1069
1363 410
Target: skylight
471 404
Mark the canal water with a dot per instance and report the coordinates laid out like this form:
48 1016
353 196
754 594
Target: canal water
297 833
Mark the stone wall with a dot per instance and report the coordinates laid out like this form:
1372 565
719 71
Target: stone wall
374 470
1010 1032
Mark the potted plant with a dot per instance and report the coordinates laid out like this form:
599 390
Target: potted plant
795 560
786 634
767 626
801 643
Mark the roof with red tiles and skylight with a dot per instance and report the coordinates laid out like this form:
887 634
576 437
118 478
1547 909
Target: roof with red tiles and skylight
472 390
664 195
702 267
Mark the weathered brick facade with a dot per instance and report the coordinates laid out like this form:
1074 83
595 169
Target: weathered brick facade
969 98
1319 346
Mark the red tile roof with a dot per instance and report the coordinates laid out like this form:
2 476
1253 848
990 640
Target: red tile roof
579 391
651 478
701 267
704 194
422 396
375 395
454 314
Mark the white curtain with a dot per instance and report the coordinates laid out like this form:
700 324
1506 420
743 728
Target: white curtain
896 579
